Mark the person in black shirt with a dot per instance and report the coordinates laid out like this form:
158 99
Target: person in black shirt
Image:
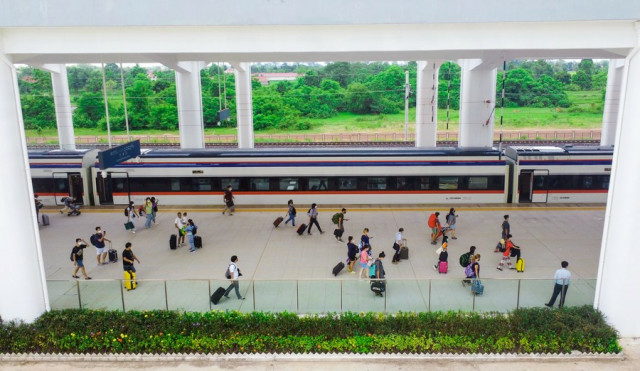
352 251
228 200
76 257
128 257
506 228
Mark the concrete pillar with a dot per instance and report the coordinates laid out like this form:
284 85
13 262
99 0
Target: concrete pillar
612 102
62 102
189 93
23 293
427 103
477 103
244 104
618 278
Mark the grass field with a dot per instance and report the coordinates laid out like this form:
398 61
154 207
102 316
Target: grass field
585 113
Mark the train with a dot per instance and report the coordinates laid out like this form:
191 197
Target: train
405 176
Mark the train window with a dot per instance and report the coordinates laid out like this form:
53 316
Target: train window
403 183
318 184
378 183
478 182
259 184
233 182
586 182
427 183
201 184
605 182
345 184
42 185
496 182
448 182
289 184
119 184
539 182
175 184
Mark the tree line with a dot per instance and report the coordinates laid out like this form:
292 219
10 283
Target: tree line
321 91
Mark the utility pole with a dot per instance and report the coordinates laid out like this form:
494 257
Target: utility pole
407 91
106 105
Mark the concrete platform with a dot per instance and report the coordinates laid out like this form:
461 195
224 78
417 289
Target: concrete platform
284 271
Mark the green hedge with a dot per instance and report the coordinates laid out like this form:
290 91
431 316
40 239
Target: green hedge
521 331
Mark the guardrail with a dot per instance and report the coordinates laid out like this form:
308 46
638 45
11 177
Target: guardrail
315 296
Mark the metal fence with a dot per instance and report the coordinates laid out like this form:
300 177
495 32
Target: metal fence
315 296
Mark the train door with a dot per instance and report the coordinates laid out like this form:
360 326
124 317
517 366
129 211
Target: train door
530 180
68 185
109 182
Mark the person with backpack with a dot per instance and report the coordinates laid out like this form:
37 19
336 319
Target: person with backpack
97 239
506 255
130 213
365 239
77 257
434 224
451 223
154 204
338 219
180 227
148 210
465 261
128 258
313 218
472 271
292 213
379 274
352 251
191 229
233 273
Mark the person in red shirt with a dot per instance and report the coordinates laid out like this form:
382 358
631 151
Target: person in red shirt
434 224
506 255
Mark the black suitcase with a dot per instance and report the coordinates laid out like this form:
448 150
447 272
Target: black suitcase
173 242
217 295
45 219
338 268
338 233
301 229
378 286
277 222
197 242
113 256
404 253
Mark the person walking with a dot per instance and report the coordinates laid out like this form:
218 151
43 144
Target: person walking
443 256
180 227
451 223
352 251
154 204
365 239
398 244
506 228
190 229
506 255
380 273
76 257
365 261
562 279
292 213
228 201
434 224
466 259
472 271
38 206
131 214
313 218
148 210
233 273
338 219
128 258
97 240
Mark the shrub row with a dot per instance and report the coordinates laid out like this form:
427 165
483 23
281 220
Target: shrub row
521 331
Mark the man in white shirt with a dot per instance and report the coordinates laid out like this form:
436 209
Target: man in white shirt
233 275
180 226
562 278
399 243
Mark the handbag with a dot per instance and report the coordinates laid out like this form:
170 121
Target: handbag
128 225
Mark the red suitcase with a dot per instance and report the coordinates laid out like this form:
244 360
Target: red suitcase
277 222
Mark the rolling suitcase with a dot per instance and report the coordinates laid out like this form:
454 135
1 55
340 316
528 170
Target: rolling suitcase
378 286
443 267
45 219
217 295
477 288
173 242
520 265
197 242
113 256
338 268
301 229
277 222
130 280
404 253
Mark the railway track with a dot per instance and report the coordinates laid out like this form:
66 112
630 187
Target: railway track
449 143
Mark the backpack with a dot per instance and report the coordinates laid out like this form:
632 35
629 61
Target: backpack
372 271
336 218
464 259
309 212
94 240
194 230
468 271
126 211
63 199
227 274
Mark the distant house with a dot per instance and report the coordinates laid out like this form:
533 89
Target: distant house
29 79
266 78
152 76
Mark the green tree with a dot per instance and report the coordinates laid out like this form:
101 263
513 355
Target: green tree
164 116
89 110
311 78
449 72
563 76
586 66
599 80
358 98
582 79
138 104
338 71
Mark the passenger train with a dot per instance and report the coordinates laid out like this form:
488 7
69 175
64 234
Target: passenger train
329 176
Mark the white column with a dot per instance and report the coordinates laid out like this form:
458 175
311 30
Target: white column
427 103
477 102
618 278
62 102
612 102
244 104
23 293
189 93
